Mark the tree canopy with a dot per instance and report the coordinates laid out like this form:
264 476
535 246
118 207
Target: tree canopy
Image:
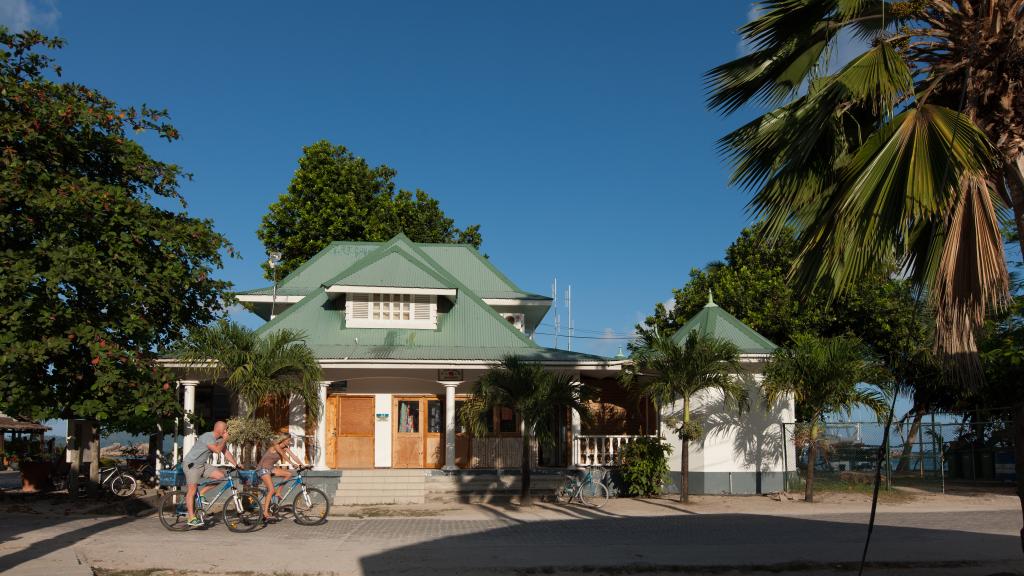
335 195
97 277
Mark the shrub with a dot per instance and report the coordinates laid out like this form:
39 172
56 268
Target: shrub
243 431
645 466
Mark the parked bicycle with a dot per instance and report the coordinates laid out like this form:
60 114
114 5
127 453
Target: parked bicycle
240 513
584 490
113 478
310 506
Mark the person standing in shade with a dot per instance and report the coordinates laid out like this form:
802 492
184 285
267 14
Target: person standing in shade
196 464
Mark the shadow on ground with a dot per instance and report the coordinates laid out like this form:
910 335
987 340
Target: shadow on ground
682 543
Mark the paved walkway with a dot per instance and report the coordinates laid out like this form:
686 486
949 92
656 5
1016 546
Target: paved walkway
494 540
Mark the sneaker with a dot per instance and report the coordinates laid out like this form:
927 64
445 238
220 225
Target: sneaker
194 521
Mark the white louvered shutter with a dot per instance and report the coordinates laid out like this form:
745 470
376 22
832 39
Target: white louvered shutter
422 308
358 307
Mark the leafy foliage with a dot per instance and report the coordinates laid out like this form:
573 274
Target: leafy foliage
335 195
664 372
97 278
645 466
537 396
250 430
254 365
903 158
825 376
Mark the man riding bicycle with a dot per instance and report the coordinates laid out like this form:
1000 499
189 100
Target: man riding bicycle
196 466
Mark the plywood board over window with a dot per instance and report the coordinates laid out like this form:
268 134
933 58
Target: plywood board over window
350 431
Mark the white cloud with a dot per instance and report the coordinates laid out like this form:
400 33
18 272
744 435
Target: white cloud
21 15
742 48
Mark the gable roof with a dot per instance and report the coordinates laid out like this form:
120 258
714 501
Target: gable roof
715 321
469 330
390 266
459 260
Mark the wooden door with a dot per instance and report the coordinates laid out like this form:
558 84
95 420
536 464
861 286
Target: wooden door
433 438
418 433
351 442
463 439
408 430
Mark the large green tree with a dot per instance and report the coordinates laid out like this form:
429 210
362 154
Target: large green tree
335 195
99 273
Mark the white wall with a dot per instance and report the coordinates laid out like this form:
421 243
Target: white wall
382 431
734 442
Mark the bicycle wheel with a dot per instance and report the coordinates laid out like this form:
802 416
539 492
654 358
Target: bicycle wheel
123 485
311 507
594 494
243 514
173 512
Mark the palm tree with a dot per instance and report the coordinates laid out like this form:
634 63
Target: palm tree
278 364
824 376
906 154
537 396
663 372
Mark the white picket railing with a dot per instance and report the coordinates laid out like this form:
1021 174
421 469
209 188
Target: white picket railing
600 450
253 453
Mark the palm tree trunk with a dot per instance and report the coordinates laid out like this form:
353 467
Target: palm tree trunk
812 459
684 472
1014 178
524 483
684 466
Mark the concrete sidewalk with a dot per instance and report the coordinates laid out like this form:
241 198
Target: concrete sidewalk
496 540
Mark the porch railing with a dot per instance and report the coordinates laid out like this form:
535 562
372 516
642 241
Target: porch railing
252 453
600 450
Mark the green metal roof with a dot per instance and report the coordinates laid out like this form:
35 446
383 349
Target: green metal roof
457 260
391 266
717 322
469 330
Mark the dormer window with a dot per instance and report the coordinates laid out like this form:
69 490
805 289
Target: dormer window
414 311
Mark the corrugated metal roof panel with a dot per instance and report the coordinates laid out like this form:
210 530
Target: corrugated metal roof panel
717 322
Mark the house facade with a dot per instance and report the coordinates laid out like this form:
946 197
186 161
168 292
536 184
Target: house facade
402 331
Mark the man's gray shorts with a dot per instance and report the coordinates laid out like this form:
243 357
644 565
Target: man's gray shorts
195 472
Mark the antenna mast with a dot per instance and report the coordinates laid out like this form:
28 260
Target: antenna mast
554 304
568 305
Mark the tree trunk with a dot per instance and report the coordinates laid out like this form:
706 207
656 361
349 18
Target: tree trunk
1015 182
75 431
1018 452
684 472
812 460
908 445
94 464
524 482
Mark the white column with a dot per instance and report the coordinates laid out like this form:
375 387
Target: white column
576 431
321 430
449 425
190 408
297 426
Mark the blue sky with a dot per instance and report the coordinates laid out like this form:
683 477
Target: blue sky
575 133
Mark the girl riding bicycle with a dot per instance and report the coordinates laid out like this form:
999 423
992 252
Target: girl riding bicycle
266 469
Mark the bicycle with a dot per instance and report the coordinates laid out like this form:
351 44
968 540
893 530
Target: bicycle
113 478
586 491
310 505
240 513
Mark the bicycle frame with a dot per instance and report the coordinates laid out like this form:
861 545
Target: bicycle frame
294 481
207 504
578 483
